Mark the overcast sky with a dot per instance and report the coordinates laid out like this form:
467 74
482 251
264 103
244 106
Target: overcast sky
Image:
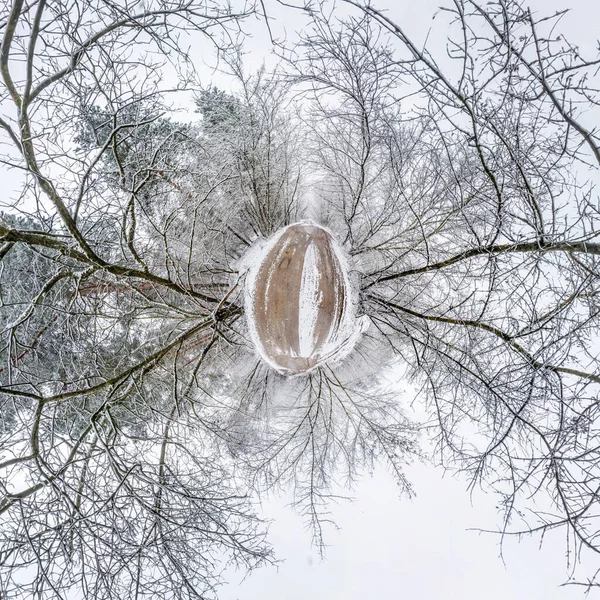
420 549
424 548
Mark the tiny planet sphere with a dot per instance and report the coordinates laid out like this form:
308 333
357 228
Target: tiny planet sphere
298 299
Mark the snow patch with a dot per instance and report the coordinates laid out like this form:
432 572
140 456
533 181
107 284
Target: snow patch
309 301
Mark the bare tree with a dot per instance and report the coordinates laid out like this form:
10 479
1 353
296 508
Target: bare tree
109 487
138 421
467 194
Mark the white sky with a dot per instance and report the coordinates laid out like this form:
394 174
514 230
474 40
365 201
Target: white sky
420 549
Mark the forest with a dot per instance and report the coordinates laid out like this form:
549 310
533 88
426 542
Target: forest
157 379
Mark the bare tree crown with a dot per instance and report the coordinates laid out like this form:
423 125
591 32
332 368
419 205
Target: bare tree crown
138 421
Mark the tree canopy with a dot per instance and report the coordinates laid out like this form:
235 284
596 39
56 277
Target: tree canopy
139 425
